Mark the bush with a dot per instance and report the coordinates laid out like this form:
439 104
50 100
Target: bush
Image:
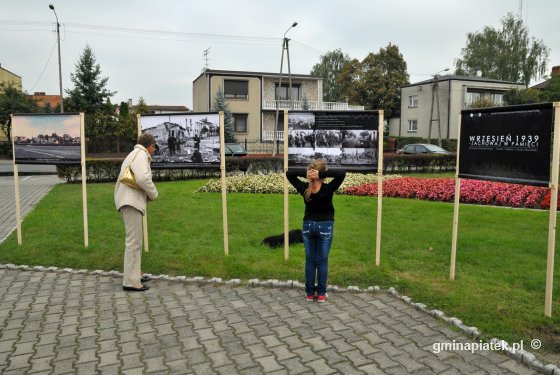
424 163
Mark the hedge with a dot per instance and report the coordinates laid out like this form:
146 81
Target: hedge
107 170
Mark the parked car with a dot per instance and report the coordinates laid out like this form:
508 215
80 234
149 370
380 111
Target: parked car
232 149
422 148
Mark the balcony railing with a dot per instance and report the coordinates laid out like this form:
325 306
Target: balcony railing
298 105
269 135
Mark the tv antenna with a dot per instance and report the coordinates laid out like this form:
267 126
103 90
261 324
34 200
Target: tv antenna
206 51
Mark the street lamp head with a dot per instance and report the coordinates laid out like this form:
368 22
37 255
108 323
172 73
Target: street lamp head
294 24
51 6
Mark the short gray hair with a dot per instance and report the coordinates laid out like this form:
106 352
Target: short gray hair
146 140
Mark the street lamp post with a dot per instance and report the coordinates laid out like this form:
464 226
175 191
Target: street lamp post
59 63
285 46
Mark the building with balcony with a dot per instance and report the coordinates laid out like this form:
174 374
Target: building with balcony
453 93
253 98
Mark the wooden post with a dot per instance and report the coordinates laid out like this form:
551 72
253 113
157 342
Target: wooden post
145 218
379 187
84 179
286 196
16 185
456 207
224 186
552 218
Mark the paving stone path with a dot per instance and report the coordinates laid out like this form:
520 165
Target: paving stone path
84 323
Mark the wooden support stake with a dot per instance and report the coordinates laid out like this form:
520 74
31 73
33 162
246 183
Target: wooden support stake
379 187
16 185
456 207
286 196
552 218
84 179
224 185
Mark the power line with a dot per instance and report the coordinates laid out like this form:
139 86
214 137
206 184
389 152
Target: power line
45 67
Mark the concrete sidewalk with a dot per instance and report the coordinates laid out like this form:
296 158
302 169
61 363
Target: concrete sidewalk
79 322
7 169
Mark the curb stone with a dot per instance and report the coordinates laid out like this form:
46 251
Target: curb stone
521 356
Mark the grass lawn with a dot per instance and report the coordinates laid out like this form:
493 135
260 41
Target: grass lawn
501 261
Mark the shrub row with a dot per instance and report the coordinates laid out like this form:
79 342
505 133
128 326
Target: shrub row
425 163
104 170
107 170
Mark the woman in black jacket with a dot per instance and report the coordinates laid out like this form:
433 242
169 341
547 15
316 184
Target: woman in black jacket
318 222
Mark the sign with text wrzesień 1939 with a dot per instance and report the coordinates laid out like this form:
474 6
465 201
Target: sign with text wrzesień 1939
507 144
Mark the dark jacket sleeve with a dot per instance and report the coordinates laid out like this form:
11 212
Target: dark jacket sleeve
293 177
337 176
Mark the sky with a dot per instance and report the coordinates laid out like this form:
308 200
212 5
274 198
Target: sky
32 126
155 49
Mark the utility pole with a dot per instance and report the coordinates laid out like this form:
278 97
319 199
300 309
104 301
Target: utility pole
59 64
285 47
435 98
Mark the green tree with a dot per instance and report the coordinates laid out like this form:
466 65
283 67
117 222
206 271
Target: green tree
524 96
91 96
141 107
13 100
551 92
329 68
375 82
220 104
89 93
507 53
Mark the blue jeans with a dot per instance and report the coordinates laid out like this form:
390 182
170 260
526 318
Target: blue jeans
317 238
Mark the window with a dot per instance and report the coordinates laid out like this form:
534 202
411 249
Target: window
282 92
413 101
472 97
497 99
236 89
240 123
412 126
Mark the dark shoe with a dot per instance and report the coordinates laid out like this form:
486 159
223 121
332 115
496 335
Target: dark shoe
145 279
133 289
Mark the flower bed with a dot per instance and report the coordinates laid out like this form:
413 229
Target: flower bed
472 191
273 183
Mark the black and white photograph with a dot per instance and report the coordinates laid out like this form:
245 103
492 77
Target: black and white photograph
300 156
47 138
341 138
358 156
301 139
328 138
301 121
184 138
359 138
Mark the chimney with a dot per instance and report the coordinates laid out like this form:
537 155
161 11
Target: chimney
555 70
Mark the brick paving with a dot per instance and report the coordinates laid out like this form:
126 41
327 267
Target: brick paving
84 323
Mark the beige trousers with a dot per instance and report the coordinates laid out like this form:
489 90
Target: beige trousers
133 246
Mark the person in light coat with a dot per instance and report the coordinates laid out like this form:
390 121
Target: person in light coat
131 203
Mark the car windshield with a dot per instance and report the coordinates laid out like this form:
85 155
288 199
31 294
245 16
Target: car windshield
235 148
434 148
